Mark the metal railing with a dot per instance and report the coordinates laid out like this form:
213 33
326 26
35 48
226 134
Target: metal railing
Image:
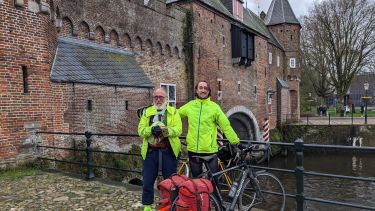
300 172
325 120
89 152
298 146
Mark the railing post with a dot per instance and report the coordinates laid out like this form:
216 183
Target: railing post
329 119
307 119
89 156
298 144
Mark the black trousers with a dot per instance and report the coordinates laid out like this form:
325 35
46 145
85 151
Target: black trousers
196 165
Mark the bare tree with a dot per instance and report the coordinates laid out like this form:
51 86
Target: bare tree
337 43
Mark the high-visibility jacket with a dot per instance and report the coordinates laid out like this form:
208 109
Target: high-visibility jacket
174 128
203 117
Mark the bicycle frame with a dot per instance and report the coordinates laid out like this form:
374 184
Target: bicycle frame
213 176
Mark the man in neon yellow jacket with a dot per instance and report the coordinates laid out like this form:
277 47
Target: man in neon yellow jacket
160 127
204 116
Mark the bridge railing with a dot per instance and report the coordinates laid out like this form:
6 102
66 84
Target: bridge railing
298 147
300 172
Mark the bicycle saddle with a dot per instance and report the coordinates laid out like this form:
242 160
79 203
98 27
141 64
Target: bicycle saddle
207 158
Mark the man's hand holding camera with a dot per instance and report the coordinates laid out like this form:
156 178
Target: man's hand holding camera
159 131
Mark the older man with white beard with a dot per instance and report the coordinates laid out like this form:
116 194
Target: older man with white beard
159 127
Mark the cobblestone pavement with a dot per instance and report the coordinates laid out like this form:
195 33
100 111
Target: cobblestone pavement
56 191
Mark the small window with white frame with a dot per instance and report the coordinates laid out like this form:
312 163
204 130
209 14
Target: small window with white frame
171 93
292 62
278 61
270 58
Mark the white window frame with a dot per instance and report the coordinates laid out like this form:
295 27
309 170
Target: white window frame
292 62
166 86
269 58
278 61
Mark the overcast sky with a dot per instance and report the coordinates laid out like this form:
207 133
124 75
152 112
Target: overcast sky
300 7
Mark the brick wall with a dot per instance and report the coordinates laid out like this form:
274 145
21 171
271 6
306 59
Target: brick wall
24 47
213 59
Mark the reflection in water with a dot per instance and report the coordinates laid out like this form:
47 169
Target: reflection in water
342 190
356 164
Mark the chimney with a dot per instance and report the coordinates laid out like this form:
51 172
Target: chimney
262 15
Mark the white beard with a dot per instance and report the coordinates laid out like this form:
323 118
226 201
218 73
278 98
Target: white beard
161 107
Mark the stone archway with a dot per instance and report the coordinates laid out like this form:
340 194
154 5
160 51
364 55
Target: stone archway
244 123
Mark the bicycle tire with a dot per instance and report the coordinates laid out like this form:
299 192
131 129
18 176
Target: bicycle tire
225 181
271 189
214 204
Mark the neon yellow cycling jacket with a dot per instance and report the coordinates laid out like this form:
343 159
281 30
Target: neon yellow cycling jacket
174 129
203 117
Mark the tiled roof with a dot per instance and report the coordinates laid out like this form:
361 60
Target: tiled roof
283 83
216 4
251 20
80 61
280 12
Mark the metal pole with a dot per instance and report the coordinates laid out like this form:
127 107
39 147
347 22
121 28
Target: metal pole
298 144
329 119
366 108
89 156
352 112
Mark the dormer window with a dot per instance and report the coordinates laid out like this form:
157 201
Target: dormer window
238 9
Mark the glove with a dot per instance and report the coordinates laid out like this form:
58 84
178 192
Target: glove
156 131
164 131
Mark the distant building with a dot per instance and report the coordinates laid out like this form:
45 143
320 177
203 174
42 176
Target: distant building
356 90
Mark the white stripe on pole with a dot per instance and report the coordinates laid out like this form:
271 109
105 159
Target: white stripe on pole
266 130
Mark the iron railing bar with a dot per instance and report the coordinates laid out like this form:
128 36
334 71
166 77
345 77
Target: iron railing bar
63 148
113 168
271 143
58 133
62 161
337 147
290 195
122 153
339 203
274 169
367 179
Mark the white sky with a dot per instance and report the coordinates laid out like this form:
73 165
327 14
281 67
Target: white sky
299 7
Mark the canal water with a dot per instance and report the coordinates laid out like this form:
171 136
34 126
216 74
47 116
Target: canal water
343 190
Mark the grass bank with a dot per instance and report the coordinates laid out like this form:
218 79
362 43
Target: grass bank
19 172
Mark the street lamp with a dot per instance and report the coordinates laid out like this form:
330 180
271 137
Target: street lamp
366 85
309 101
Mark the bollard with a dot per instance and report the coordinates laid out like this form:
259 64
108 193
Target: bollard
298 144
89 156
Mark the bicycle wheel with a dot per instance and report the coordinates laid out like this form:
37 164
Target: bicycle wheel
269 196
184 169
225 181
214 204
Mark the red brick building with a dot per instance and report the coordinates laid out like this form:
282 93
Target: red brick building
72 66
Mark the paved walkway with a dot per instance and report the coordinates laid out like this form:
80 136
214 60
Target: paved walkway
336 121
56 191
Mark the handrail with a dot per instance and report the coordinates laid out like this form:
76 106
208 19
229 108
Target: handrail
299 171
